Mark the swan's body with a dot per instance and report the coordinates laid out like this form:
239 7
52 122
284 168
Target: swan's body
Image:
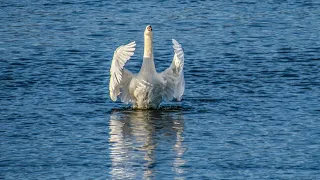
148 88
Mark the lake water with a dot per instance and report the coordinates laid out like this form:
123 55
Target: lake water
251 108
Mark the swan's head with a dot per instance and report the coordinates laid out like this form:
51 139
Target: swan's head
148 31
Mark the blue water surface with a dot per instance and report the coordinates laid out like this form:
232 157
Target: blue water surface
251 108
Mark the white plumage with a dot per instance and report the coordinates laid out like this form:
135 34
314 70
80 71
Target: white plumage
147 88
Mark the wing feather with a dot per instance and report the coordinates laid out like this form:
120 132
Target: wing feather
173 75
119 76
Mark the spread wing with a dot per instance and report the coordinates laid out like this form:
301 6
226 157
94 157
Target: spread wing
173 76
119 76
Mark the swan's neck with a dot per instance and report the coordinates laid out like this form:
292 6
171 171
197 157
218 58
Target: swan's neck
148 47
148 63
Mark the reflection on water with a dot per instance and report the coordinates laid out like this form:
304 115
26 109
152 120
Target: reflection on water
145 143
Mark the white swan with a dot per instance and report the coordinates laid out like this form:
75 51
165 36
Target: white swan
147 88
